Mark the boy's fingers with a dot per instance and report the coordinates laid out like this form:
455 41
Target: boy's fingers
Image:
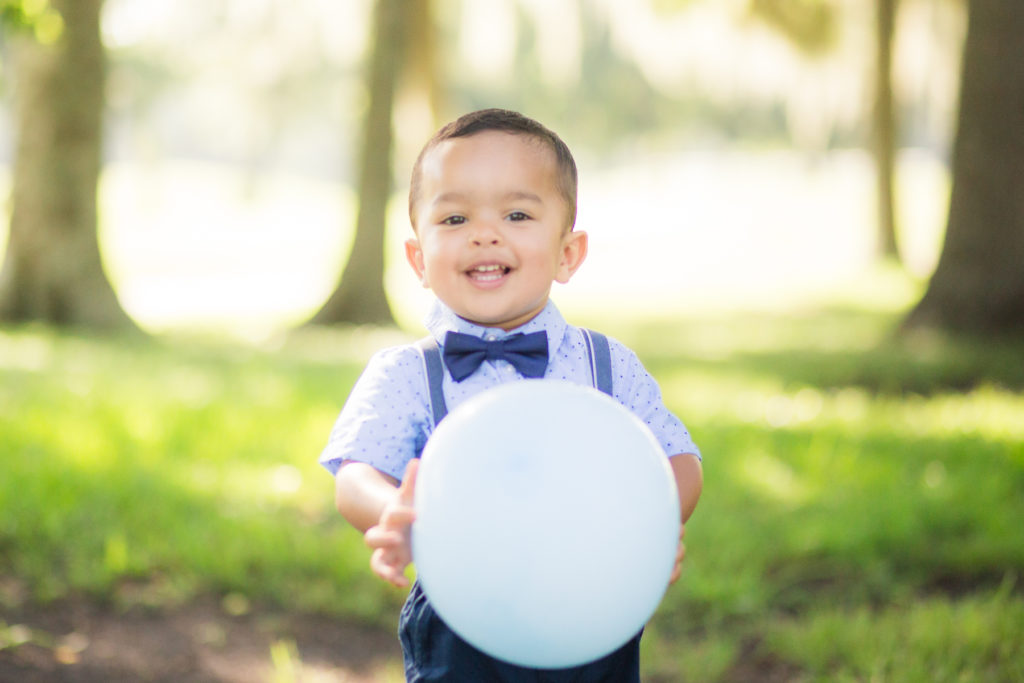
385 537
381 566
379 537
677 570
397 516
390 538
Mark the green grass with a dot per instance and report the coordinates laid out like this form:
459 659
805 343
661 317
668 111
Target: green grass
147 471
860 521
861 512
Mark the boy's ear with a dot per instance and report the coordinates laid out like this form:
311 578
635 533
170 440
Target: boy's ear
574 251
414 254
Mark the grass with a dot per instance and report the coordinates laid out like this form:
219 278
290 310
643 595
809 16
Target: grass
859 515
860 519
150 472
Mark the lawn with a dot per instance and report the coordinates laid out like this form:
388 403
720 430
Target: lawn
860 521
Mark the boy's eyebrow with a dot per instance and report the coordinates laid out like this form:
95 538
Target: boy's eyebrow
513 195
449 197
522 194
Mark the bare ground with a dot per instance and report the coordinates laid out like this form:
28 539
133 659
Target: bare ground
84 642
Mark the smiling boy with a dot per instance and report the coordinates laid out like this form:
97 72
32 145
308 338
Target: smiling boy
492 229
493 205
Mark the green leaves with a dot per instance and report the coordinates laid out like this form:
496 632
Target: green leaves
812 25
32 16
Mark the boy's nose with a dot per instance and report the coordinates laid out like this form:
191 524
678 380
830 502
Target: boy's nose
485 234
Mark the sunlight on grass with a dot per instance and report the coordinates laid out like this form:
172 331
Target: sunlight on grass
154 474
773 477
27 352
987 412
199 245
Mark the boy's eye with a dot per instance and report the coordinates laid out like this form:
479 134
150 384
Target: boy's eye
454 220
518 216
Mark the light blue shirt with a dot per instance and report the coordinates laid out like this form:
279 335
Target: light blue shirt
387 419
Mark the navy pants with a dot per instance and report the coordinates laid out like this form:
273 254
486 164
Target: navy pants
433 652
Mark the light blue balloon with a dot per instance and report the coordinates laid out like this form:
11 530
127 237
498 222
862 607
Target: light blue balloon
547 522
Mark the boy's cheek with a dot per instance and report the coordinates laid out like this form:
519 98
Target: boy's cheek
421 274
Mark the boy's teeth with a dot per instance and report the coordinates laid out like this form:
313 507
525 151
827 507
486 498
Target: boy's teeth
492 272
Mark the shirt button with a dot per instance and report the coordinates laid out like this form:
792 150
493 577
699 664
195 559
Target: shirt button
491 337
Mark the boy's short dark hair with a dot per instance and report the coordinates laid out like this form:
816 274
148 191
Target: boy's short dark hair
507 121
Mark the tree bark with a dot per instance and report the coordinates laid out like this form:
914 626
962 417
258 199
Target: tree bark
360 296
885 129
420 69
978 285
52 269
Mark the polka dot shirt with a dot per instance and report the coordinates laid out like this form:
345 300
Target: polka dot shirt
386 420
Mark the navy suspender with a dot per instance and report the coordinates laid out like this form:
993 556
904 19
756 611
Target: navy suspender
600 360
598 352
435 376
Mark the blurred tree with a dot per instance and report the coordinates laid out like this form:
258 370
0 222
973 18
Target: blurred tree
52 269
421 72
812 25
978 285
601 101
360 296
884 129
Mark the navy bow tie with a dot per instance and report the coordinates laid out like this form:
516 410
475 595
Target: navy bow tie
528 353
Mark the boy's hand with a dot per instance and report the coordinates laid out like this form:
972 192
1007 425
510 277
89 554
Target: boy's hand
391 537
680 554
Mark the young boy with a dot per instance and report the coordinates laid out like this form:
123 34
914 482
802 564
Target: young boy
493 206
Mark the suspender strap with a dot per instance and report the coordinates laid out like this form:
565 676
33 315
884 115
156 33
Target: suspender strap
600 360
435 377
598 352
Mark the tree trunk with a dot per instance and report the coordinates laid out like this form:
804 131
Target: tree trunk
978 285
52 270
420 61
360 296
885 129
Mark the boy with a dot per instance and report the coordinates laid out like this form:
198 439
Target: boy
493 206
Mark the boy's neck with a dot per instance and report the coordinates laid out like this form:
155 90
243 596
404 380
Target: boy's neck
510 325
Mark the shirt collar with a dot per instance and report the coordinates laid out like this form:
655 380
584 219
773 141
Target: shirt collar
441 320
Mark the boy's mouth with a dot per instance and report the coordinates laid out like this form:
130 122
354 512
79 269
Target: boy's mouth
490 272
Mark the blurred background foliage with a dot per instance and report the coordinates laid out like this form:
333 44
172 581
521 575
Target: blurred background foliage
269 104
611 73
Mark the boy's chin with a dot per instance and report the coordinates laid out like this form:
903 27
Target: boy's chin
506 322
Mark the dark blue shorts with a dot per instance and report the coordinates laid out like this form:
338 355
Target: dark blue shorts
433 652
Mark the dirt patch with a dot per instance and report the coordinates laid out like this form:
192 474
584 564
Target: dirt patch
754 665
195 643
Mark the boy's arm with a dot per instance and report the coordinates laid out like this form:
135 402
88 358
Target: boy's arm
689 476
361 492
380 507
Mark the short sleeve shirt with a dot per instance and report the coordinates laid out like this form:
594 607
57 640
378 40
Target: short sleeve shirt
387 418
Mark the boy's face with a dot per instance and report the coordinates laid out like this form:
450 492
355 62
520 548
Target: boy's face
491 232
